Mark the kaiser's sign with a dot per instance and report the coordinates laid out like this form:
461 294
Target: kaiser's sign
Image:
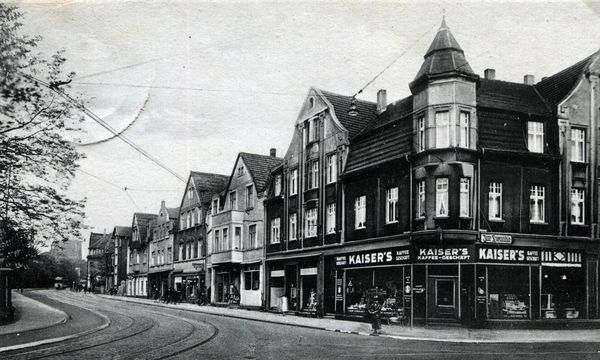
374 257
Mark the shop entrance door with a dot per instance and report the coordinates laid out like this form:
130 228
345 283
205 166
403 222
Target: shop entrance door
442 295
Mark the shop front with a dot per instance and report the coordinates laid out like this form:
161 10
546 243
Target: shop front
383 275
226 285
189 286
297 282
159 284
515 283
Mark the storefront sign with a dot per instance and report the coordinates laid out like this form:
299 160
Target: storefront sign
308 271
339 292
448 253
277 273
374 257
496 238
508 255
561 258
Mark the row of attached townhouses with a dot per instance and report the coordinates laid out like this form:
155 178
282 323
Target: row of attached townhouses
472 200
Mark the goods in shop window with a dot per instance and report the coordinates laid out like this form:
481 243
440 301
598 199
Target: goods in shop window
513 307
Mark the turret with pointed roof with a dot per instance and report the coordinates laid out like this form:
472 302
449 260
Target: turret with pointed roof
444 57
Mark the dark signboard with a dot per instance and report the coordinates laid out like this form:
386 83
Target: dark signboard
514 255
443 254
398 255
497 254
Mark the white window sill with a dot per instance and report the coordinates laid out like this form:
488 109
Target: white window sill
360 228
310 236
441 217
391 222
275 243
497 220
578 224
538 222
331 233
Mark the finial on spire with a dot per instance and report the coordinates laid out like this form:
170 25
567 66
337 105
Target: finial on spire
443 26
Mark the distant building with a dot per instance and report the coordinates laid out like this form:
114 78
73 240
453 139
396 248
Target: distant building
96 262
121 236
189 249
137 254
161 251
71 249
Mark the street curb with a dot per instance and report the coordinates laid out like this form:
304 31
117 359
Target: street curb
64 319
62 338
396 337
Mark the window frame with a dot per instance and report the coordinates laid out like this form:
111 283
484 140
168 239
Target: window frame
421 199
464 203
360 212
311 216
421 130
233 200
441 194
252 236
438 127
464 128
249 196
391 205
331 176
294 182
578 140
534 201
331 219
293 227
580 200
495 193
535 137
275 231
277 185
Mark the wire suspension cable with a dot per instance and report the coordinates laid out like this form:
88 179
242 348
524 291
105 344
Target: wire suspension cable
106 126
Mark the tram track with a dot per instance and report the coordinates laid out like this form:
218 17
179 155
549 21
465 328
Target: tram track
116 340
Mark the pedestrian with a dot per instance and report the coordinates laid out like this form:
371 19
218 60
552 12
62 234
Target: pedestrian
374 311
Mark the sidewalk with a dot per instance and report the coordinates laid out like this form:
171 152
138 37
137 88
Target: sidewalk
446 334
31 315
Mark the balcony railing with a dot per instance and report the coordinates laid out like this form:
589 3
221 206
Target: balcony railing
226 217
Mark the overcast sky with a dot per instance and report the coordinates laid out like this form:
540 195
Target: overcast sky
203 81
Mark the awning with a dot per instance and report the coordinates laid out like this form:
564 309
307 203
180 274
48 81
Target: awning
293 256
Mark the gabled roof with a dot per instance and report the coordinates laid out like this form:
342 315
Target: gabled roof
98 240
123 231
259 167
445 56
207 184
173 212
510 96
554 88
367 112
385 139
142 222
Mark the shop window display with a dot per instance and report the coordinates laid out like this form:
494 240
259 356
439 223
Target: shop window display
508 289
363 285
309 297
563 293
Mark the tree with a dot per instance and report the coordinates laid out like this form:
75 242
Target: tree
37 161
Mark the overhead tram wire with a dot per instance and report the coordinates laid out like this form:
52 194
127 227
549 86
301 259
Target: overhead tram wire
124 187
105 125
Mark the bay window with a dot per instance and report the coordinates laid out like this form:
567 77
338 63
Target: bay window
442 129
465 197
464 122
310 222
577 145
421 199
441 197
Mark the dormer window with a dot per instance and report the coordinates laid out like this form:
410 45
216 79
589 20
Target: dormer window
442 129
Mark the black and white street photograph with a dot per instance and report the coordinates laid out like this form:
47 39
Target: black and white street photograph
322 179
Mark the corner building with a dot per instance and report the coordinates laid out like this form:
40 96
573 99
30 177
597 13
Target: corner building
472 200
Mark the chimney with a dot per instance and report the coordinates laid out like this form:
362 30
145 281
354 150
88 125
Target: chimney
381 101
162 203
490 74
273 152
528 79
